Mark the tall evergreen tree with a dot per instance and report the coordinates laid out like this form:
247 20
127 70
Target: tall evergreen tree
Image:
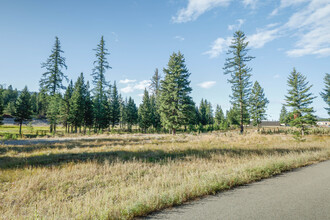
1 106
65 107
77 103
233 116
155 83
326 92
131 113
23 108
176 105
100 99
122 108
300 98
156 122
114 106
219 116
236 66
258 104
53 111
283 115
88 111
52 79
145 112
203 112
42 103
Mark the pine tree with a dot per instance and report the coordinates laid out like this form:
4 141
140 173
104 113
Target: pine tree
42 103
155 83
53 111
233 116
240 75
34 108
101 107
258 104
1 106
176 106
77 103
52 79
156 122
283 115
299 99
88 110
145 112
219 116
114 106
326 92
65 107
203 112
23 108
122 107
131 113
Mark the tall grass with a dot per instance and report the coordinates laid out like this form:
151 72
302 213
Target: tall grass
123 176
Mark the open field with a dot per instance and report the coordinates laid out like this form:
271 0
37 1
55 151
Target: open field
123 176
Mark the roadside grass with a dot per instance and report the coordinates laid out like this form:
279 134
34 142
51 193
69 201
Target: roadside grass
124 176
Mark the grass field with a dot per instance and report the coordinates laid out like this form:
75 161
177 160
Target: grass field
123 176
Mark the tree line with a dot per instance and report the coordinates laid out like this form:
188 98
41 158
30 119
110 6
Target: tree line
166 106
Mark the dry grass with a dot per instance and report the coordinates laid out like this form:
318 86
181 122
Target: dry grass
122 176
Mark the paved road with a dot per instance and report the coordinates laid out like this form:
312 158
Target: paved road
302 194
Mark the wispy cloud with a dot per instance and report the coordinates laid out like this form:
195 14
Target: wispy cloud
115 35
133 86
262 37
207 84
236 26
276 76
125 81
180 38
250 3
218 46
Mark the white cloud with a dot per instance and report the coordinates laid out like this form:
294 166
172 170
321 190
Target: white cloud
180 38
131 87
196 8
140 95
276 76
236 26
262 37
125 81
207 84
218 46
251 3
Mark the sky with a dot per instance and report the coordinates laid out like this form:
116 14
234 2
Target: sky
141 36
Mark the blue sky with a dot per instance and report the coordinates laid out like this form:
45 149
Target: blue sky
141 35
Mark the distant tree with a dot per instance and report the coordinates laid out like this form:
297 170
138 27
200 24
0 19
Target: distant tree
176 106
65 107
299 98
283 115
88 110
155 83
101 106
233 116
326 92
34 101
258 104
236 66
219 116
203 112
156 122
42 103
1 106
77 103
52 79
114 106
131 113
10 96
23 108
53 112
145 112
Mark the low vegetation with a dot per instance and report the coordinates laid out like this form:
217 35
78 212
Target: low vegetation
124 176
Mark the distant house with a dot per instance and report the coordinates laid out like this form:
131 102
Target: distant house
323 123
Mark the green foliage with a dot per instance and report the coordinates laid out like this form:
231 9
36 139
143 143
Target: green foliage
326 92
51 80
176 106
236 66
88 110
53 111
42 103
65 107
155 83
258 104
283 115
156 122
205 113
77 103
219 116
145 112
131 113
233 117
1 106
114 106
299 99
23 108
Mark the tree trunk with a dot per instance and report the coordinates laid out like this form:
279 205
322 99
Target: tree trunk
20 128
173 131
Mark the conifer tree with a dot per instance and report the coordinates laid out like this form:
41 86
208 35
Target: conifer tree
176 106
145 112
1 107
131 113
23 108
156 122
52 79
299 98
258 104
326 92
42 103
65 107
101 106
283 115
219 116
34 103
233 116
88 110
236 66
155 83
203 112
53 111
114 106
77 103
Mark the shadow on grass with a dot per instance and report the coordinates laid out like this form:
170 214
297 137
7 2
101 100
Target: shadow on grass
149 156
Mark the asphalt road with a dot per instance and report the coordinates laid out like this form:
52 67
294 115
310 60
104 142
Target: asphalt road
301 194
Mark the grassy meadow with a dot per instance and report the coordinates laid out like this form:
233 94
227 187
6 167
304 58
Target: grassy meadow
129 175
